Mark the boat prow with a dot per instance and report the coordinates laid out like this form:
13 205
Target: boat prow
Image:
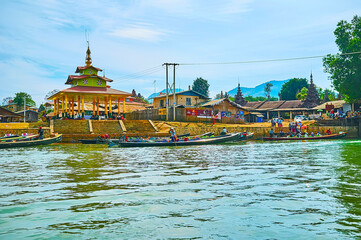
30 143
331 136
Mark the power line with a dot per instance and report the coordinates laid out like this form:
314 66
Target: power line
262 61
141 72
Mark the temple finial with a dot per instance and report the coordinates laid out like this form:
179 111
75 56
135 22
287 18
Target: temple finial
88 59
311 78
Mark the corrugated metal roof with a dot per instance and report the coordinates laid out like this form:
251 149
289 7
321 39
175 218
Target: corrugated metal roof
336 104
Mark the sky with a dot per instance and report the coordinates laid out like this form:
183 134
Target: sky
43 41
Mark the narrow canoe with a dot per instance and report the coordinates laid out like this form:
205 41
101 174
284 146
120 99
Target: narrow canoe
204 141
18 138
331 136
31 143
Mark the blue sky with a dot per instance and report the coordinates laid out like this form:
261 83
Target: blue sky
43 41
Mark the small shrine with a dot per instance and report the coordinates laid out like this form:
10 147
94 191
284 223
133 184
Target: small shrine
238 98
312 98
88 87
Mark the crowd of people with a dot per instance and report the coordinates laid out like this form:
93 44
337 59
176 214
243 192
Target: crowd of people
297 130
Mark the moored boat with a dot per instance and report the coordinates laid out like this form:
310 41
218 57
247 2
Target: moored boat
30 143
18 138
202 141
331 136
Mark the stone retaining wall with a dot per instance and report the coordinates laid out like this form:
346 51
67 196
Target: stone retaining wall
73 130
260 132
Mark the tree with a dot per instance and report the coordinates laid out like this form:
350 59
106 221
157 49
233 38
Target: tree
7 100
267 90
51 93
345 70
301 95
19 99
292 87
41 108
201 86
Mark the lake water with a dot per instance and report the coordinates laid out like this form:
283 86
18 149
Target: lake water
251 190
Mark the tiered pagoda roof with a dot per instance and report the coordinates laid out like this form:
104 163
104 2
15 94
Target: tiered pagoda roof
239 99
312 98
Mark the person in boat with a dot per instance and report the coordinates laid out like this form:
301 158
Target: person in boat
282 134
306 134
328 132
312 135
299 134
41 133
224 131
271 133
172 134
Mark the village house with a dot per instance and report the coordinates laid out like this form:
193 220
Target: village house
9 116
189 98
230 112
13 107
30 115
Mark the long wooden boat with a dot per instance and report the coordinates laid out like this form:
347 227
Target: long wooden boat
31 143
11 136
331 136
19 138
203 141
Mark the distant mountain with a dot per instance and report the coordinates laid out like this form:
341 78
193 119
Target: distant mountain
150 98
258 91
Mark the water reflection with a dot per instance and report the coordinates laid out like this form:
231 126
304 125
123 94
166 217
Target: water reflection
348 187
252 190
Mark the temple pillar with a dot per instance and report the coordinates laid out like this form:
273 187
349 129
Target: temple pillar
82 104
62 106
97 106
267 115
291 115
118 106
72 110
93 106
106 106
79 105
110 106
69 106
123 105
66 104
57 107
278 114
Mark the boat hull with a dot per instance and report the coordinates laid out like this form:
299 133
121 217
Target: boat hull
205 141
31 143
332 136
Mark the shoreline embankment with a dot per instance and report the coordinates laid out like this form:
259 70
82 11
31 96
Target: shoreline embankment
73 130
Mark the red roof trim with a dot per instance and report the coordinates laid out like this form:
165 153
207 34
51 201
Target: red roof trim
86 67
95 90
71 78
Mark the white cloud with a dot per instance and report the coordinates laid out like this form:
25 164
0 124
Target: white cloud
236 6
139 33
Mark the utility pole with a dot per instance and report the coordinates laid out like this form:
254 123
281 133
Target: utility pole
174 92
170 87
155 86
24 108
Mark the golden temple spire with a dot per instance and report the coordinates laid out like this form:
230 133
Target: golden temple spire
88 59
